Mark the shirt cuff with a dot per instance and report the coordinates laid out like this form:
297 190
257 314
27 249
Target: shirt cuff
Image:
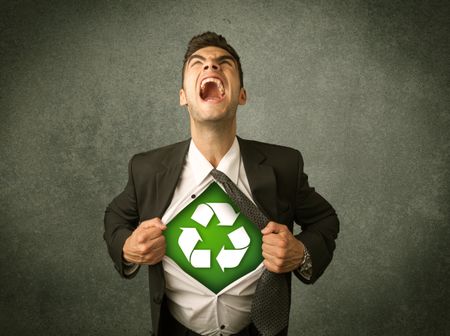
129 268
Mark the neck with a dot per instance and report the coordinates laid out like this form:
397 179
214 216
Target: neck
213 141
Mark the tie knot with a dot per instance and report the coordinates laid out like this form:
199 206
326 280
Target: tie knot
219 176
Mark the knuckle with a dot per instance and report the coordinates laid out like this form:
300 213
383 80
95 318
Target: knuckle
140 239
145 223
155 222
150 223
281 254
143 249
157 242
154 259
148 259
276 268
278 263
283 243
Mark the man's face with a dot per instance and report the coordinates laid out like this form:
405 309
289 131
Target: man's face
211 87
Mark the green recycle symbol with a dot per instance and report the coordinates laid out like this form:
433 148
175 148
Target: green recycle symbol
226 258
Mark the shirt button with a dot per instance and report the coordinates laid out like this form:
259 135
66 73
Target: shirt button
157 299
222 327
193 196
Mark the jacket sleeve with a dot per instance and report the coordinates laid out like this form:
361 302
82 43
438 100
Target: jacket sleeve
319 223
121 219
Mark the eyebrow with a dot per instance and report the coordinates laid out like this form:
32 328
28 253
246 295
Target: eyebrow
218 59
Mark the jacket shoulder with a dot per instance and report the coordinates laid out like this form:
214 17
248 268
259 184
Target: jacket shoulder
272 151
167 155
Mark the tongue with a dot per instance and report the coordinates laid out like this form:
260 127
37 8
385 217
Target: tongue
210 92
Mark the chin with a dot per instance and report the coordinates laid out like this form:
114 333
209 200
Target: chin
214 117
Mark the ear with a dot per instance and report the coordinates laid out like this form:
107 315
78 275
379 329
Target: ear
242 97
183 100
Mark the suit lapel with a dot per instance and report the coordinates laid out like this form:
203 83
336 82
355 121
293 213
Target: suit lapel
261 178
166 180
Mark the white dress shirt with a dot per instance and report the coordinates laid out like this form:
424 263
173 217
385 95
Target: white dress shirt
189 301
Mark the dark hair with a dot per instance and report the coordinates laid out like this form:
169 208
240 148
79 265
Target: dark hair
211 39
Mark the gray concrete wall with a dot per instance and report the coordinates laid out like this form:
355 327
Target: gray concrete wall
361 88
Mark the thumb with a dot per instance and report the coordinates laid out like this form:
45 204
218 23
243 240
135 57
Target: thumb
273 227
153 223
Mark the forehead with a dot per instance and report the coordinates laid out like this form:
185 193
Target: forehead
211 52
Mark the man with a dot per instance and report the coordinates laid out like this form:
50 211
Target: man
269 176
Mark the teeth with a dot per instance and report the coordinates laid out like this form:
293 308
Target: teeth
215 80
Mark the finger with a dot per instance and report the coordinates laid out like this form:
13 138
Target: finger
275 251
273 259
273 227
276 239
146 244
156 256
151 223
143 236
148 253
272 267
147 259
157 243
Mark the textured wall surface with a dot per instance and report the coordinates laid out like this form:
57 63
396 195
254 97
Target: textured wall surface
360 87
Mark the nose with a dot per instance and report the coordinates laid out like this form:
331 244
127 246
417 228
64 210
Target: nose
211 65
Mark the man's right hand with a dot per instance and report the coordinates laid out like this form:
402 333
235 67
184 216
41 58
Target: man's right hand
146 245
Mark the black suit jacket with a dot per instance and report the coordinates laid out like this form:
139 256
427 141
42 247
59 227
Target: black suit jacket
279 187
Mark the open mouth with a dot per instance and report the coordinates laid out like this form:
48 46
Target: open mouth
211 89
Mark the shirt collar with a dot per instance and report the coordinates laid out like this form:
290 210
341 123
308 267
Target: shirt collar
200 166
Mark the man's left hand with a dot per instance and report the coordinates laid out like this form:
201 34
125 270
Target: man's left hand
282 252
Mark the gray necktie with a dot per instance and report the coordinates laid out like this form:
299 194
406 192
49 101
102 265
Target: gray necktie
270 306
